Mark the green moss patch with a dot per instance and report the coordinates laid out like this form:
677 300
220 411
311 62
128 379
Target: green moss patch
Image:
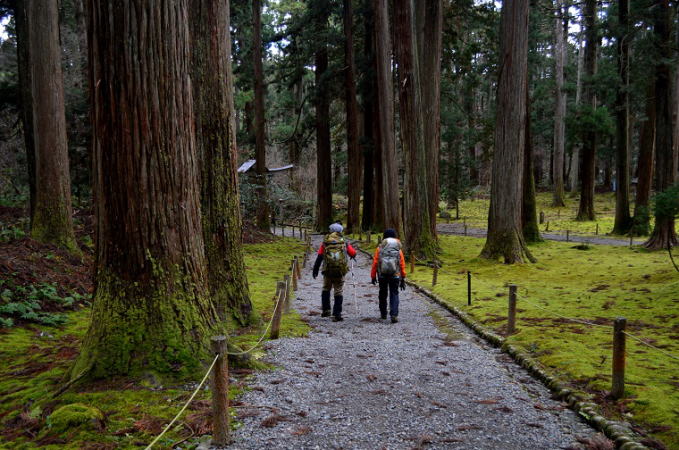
595 287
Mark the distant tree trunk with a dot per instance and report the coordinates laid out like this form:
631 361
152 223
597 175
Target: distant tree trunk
151 307
369 114
378 163
26 95
642 213
354 151
560 108
505 238
418 237
575 157
323 154
587 169
294 147
623 220
214 112
529 215
385 100
263 219
52 217
663 234
429 38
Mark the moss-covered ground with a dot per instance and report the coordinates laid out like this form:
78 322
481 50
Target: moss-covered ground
596 286
118 413
557 219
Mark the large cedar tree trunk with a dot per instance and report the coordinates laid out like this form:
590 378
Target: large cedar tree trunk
429 38
663 234
642 216
560 107
323 155
574 173
529 215
51 220
354 150
623 220
263 220
385 104
217 155
367 86
151 307
588 163
418 237
505 238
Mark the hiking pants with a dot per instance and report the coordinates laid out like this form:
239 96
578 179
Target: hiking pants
390 283
333 283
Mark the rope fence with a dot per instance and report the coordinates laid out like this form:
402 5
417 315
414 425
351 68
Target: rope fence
219 365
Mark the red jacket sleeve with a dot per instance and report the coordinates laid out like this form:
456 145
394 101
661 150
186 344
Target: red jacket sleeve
373 271
351 251
403 264
320 249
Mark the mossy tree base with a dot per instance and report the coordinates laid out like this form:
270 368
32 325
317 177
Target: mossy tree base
663 236
508 245
152 328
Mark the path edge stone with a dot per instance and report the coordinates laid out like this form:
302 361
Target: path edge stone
619 432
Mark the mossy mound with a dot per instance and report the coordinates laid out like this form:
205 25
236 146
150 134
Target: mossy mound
75 416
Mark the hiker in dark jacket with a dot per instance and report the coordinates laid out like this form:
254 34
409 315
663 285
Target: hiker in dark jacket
333 254
389 267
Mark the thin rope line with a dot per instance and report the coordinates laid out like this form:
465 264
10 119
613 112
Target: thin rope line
584 322
266 331
651 346
185 405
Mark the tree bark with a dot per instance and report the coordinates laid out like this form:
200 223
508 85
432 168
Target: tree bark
26 95
575 156
418 237
529 215
52 216
263 215
217 155
623 220
385 101
587 168
642 213
663 235
505 238
151 307
369 114
560 107
323 155
354 151
429 38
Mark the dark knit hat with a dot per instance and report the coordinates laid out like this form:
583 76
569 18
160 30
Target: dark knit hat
389 233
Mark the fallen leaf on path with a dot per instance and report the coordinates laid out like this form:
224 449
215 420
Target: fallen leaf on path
371 377
468 427
273 420
489 401
301 431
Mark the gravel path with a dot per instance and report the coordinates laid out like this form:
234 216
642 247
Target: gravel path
458 229
365 383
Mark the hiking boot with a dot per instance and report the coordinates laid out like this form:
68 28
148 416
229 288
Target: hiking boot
325 313
394 319
337 306
337 318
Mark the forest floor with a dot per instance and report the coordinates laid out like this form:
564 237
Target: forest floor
423 382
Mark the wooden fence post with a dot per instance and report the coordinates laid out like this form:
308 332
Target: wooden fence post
568 235
295 274
618 387
369 238
469 288
299 271
412 263
435 274
511 317
283 230
278 311
465 229
631 239
597 229
288 286
220 393
542 217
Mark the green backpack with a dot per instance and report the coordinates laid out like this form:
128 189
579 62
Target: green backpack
334 256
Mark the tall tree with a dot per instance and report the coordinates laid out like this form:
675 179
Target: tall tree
560 104
663 234
385 117
418 237
51 220
623 220
212 81
574 174
263 221
642 217
505 239
368 144
529 215
429 38
351 104
589 135
151 307
323 155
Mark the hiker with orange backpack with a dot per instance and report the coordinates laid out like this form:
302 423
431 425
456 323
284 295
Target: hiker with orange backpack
389 268
333 254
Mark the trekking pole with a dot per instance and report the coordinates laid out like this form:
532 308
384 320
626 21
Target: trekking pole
353 282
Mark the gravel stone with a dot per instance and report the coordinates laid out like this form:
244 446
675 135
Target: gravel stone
366 383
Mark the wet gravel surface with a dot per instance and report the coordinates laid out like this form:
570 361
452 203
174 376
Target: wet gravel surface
425 382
